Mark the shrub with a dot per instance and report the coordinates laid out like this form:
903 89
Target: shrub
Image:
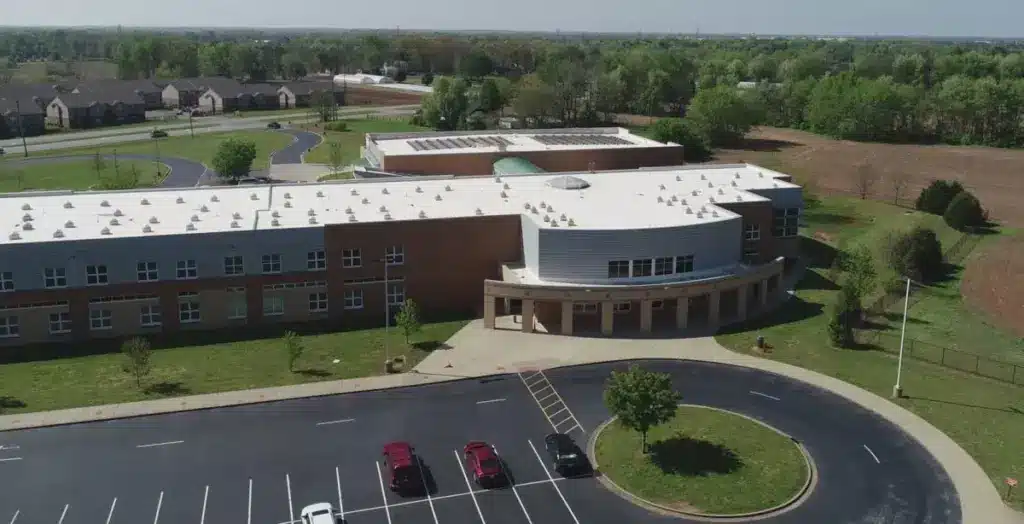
843 314
916 254
340 127
936 197
679 131
427 79
964 211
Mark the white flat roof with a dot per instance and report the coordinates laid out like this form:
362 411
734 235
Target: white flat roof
651 198
519 141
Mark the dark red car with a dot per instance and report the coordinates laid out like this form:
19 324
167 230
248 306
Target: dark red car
403 466
483 461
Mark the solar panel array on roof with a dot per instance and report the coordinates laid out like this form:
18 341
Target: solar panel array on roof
458 142
581 140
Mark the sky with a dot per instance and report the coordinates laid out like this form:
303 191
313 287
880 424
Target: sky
991 18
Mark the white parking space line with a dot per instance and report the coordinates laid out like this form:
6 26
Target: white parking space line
383 494
426 489
248 518
508 480
765 395
330 422
341 505
63 513
493 400
872 454
11 459
15 517
291 508
110 514
3 448
545 397
159 503
169 443
553 484
206 495
469 487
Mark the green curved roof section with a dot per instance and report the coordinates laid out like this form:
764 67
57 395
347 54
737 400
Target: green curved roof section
515 165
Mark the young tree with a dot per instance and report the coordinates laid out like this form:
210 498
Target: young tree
641 399
898 181
137 354
234 159
408 319
293 347
859 265
842 315
335 157
916 254
865 179
99 164
324 106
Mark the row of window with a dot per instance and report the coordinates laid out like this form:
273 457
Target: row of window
786 222
646 267
98 275
591 308
189 311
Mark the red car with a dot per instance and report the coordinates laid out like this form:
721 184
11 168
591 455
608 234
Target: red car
483 461
403 466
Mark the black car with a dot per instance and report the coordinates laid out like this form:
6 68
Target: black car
274 125
566 456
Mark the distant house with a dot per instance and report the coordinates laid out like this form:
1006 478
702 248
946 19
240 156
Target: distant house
85 110
262 96
185 92
223 97
299 94
150 92
19 116
39 94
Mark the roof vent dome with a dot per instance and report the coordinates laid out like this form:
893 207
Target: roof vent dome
547 218
311 212
105 204
423 214
354 192
287 196
118 213
179 200
382 209
384 191
69 224
253 196
147 229
236 215
144 201
234 224
447 187
312 220
504 194
287 204
26 207
366 200
68 205
479 211
348 210
275 222
387 216
58 234
660 200
14 236
27 217
194 218
505 186
568 182
115 222
190 227
437 197
213 198
419 189
105 231
320 194
572 223
27 226
154 220
204 209
679 178
351 218
275 213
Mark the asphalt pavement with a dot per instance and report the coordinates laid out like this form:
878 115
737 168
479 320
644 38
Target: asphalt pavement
262 463
304 141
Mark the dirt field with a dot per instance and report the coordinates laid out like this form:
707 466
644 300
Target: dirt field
993 175
992 282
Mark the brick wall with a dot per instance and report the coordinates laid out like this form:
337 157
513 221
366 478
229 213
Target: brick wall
553 161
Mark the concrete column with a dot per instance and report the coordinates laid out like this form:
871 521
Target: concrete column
607 317
714 300
763 291
527 315
741 302
567 317
489 312
682 312
645 316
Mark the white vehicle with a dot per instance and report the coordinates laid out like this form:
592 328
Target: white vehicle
321 513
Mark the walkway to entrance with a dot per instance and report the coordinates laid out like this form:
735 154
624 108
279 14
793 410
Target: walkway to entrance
650 307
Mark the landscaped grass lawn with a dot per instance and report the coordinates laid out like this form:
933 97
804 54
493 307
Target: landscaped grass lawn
74 174
985 417
202 148
208 366
704 460
354 138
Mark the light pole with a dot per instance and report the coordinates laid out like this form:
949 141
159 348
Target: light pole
897 390
387 315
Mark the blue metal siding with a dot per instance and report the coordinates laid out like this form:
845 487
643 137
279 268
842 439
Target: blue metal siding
122 255
783 197
582 255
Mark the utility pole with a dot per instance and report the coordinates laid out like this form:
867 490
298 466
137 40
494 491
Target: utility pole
191 130
387 312
21 127
897 390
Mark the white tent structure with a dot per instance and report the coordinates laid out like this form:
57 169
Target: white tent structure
361 79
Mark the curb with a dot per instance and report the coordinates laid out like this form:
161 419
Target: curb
801 496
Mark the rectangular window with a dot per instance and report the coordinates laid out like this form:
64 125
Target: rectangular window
396 294
317 302
316 260
149 316
642 267
351 258
273 306
751 232
55 277
188 311
786 222
621 307
663 266
9 327
684 264
187 270
95 275
148 272
233 265
618 269
60 323
99 319
353 299
271 264
6 281
238 307
750 256
584 307
395 255
657 304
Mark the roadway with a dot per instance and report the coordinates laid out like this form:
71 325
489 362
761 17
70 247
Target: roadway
262 463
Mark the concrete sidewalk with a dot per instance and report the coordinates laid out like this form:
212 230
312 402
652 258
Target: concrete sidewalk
475 351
